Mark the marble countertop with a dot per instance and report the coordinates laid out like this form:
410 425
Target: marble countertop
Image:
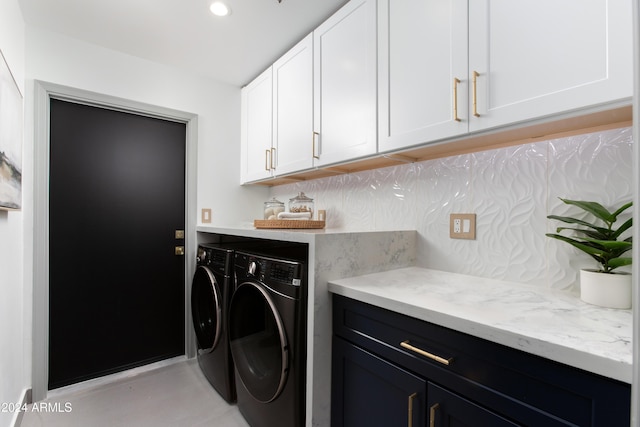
553 324
302 235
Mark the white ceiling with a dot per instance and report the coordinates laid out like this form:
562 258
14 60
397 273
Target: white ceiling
183 33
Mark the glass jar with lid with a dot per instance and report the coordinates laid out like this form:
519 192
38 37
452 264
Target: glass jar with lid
300 204
272 208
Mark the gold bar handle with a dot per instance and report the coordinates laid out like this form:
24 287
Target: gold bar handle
405 344
455 99
313 145
410 410
432 414
273 155
266 159
475 93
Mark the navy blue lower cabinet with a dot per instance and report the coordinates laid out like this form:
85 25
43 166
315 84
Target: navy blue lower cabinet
449 409
389 369
369 391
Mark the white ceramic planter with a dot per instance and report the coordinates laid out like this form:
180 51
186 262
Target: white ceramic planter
605 290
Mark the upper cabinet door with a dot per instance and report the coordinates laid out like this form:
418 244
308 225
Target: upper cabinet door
422 77
293 108
538 58
345 84
256 129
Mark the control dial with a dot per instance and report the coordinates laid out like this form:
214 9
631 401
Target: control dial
252 268
202 255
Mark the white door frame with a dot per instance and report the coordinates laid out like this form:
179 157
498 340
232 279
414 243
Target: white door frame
44 92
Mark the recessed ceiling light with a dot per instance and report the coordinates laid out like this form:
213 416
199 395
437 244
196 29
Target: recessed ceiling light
218 8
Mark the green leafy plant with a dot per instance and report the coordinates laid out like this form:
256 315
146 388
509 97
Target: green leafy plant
599 242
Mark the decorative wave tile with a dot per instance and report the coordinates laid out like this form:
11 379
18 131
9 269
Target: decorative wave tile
594 167
443 187
395 198
509 200
512 190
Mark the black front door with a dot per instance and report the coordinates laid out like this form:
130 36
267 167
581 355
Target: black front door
116 285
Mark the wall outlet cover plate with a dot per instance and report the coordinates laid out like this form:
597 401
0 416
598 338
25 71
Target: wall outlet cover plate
462 226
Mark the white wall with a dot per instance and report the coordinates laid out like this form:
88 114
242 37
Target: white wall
13 358
511 190
70 62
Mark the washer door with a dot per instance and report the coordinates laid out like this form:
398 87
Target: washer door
206 308
258 342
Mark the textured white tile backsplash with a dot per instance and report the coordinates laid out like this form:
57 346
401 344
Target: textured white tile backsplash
512 190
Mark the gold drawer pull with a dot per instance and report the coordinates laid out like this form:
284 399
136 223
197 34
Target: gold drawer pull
421 352
432 414
410 419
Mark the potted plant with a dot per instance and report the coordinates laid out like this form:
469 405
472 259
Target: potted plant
601 240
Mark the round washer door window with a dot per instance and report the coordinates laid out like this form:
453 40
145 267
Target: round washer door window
206 307
258 342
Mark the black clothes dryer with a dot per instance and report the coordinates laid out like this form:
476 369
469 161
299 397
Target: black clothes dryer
267 333
211 291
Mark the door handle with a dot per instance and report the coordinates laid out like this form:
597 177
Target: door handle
273 155
432 414
456 81
313 145
475 93
410 409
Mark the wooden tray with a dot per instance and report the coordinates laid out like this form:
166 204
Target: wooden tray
287 223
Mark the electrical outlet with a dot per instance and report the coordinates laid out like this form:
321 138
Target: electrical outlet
462 226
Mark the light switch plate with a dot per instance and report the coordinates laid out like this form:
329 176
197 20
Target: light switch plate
462 226
206 216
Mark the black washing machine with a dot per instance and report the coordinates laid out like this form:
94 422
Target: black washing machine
211 290
267 333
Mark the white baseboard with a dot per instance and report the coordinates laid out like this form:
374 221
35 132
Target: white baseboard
25 399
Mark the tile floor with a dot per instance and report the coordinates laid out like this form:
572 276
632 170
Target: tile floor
174 395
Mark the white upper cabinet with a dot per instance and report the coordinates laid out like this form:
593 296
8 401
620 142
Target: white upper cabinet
293 109
256 129
382 76
422 55
345 84
543 57
449 67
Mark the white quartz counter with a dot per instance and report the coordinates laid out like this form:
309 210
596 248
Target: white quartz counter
553 324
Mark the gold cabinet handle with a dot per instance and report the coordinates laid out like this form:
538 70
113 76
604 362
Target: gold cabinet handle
432 414
313 145
410 410
456 81
266 160
273 155
405 344
475 94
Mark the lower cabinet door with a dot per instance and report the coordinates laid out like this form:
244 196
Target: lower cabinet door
369 391
449 409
